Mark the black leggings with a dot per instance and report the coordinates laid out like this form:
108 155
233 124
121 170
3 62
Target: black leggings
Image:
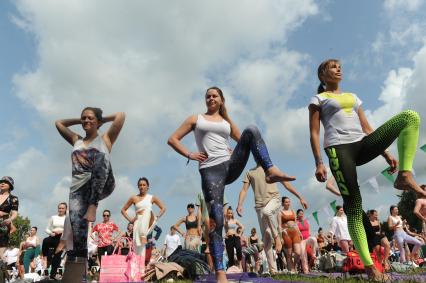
233 242
214 179
344 159
48 247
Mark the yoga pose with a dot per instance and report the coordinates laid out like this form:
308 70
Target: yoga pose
92 177
144 219
218 164
193 229
350 141
267 205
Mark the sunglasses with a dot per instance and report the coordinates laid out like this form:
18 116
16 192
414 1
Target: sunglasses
106 215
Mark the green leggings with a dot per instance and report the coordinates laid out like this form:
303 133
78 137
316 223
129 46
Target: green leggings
344 158
29 255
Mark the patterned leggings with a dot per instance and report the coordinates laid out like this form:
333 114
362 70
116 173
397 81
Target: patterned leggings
90 193
344 158
214 179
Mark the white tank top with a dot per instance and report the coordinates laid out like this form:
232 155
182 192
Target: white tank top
395 220
213 139
144 204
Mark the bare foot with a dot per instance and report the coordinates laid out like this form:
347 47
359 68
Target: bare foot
274 175
405 181
376 276
278 244
90 215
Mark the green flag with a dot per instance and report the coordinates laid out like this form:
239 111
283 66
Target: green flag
388 176
315 215
423 147
333 206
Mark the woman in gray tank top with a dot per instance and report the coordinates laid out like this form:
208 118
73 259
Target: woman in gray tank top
218 164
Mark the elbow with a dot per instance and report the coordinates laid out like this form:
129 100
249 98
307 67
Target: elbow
171 141
121 115
58 123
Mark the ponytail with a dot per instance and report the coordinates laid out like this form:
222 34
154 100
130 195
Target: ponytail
321 88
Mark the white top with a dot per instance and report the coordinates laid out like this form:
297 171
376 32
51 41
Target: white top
339 116
213 139
32 241
56 224
144 204
11 255
339 227
171 242
395 220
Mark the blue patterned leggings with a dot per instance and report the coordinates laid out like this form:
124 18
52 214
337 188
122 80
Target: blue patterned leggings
214 179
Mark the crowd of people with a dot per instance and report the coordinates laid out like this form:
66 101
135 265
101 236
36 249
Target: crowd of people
213 229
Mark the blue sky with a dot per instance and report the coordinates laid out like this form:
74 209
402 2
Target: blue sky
154 62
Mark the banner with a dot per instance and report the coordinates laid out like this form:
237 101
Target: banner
333 206
388 176
315 215
373 182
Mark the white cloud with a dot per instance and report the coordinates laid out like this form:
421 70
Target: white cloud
393 96
404 5
157 76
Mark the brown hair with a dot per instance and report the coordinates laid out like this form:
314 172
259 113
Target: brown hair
96 111
222 110
322 71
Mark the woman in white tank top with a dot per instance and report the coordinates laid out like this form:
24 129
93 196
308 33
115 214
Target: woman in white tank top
144 219
396 224
218 164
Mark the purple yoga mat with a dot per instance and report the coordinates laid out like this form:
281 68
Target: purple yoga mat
419 277
239 277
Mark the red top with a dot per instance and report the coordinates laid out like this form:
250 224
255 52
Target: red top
105 231
304 228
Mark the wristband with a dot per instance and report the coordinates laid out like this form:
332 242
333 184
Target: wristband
318 162
189 158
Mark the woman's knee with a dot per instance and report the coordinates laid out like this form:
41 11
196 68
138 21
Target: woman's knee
252 129
412 117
